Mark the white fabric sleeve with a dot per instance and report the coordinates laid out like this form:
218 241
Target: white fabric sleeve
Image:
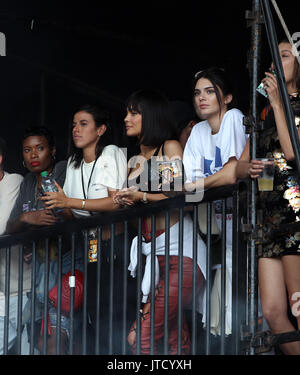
114 167
234 137
11 191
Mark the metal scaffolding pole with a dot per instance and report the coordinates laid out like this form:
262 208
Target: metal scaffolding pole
288 111
252 296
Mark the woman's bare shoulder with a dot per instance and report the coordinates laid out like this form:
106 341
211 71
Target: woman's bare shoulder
173 147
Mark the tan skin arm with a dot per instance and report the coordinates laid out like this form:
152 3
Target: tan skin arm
40 217
243 164
252 168
60 200
225 176
173 150
246 168
129 197
272 90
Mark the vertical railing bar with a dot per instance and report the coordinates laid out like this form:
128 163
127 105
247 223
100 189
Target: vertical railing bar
98 289
33 280
59 293
248 247
241 264
85 291
20 300
46 288
111 290
195 265
180 279
167 278
208 279
153 274
249 315
258 10
125 286
235 277
72 296
139 282
7 292
223 278
248 283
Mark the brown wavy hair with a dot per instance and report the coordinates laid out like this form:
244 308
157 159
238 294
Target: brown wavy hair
296 67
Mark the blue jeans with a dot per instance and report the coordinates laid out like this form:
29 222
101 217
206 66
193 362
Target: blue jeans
12 325
40 288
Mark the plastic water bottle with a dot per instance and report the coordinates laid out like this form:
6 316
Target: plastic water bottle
48 185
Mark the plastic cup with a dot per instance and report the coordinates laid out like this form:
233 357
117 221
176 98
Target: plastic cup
266 178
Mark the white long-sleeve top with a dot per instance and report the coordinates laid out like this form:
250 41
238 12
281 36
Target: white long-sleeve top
9 190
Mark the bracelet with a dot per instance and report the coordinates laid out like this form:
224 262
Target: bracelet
145 200
83 204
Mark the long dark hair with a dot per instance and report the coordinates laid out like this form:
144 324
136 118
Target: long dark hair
218 78
101 117
157 124
296 67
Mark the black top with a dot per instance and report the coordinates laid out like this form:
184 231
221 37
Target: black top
150 179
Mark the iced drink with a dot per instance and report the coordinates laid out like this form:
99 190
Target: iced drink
266 178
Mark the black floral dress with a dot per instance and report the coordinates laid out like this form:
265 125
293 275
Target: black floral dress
282 205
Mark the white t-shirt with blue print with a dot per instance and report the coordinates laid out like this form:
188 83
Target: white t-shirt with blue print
206 153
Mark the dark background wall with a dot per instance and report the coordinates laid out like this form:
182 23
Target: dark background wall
61 54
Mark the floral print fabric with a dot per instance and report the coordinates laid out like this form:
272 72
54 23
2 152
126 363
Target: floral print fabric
282 205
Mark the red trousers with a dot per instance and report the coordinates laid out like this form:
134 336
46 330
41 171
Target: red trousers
187 286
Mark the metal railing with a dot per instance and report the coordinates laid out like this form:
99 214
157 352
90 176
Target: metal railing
202 341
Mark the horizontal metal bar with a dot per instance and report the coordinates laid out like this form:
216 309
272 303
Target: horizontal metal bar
107 218
111 218
264 341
